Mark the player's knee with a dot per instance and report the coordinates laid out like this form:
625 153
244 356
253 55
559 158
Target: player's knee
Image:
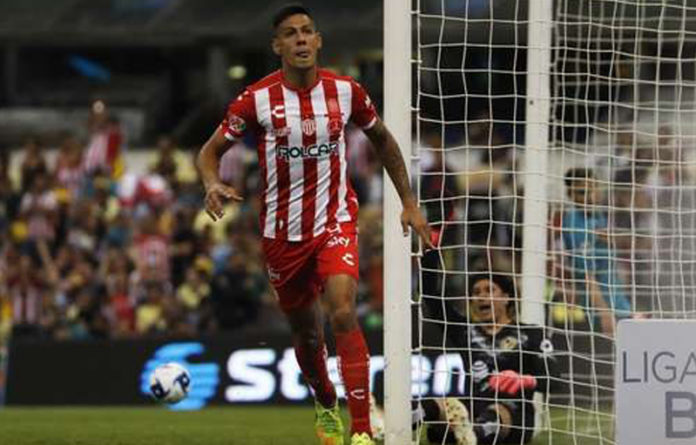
343 319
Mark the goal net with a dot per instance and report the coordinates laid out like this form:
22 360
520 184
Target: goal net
594 220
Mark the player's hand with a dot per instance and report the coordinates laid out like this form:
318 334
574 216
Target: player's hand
511 383
215 196
412 216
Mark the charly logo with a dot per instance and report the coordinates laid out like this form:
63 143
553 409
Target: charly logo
312 151
204 376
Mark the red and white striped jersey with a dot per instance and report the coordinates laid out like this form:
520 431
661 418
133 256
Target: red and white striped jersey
302 150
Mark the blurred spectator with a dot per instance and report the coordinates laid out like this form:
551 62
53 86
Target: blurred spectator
194 289
120 310
487 165
69 169
587 240
440 195
166 165
25 289
237 292
105 141
232 168
672 190
8 198
183 246
371 262
365 170
33 164
151 252
38 209
149 316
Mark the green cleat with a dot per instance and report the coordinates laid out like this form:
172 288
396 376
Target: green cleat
361 439
328 425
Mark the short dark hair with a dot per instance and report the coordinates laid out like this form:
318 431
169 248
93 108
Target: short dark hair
575 175
505 281
502 280
288 10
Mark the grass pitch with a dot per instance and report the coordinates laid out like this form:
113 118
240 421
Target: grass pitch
220 426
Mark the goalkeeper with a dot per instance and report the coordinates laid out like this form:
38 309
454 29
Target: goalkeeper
507 363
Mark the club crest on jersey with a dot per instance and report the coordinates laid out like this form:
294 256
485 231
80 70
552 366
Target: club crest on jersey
236 125
309 126
508 343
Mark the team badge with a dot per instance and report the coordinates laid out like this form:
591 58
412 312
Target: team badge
309 127
508 343
236 125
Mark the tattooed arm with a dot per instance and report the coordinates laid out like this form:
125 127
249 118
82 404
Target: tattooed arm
389 153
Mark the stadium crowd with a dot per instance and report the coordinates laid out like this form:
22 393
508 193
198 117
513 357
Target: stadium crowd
92 249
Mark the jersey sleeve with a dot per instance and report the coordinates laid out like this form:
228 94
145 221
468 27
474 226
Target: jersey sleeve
363 114
241 115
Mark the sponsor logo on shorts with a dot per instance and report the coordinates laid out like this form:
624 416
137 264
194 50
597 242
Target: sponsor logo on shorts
338 241
348 259
312 151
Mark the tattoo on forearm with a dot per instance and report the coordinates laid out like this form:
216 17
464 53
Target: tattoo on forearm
388 151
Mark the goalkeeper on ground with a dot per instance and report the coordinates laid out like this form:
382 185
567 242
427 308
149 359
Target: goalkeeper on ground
506 363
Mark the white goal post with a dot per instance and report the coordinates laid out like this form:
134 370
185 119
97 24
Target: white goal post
397 247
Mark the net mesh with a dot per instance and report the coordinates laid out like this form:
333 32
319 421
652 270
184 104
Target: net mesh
621 193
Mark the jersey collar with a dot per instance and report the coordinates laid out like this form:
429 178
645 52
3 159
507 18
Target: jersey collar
287 85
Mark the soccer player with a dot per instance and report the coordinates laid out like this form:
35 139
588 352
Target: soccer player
507 362
309 209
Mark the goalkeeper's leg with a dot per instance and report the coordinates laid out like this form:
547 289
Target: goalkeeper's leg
450 419
494 423
505 422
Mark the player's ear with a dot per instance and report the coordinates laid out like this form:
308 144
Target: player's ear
320 40
275 45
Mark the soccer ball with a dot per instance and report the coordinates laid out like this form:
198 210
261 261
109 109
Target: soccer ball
170 383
